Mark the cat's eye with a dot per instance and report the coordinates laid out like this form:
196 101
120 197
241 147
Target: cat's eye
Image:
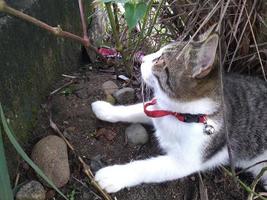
155 60
159 62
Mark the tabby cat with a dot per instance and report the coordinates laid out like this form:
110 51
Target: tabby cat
187 114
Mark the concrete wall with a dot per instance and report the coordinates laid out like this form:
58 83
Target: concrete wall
31 59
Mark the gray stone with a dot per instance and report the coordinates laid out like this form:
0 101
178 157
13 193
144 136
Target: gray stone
31 191
110 99
96 163
109 87
125 96
51 155
136 134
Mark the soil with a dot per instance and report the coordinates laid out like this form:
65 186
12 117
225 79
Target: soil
71 111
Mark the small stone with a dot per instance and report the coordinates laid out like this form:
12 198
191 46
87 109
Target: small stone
110 99
51 155
136 134
31 191
96 163
125 96
109 87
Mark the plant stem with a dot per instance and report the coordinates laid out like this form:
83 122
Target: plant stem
119 46
162 2
54 30
84 26
141 36
113 26
255 182
5 189
247 188
115 11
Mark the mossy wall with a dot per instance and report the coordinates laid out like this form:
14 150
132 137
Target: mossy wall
31 59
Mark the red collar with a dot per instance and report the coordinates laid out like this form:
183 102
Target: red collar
200 118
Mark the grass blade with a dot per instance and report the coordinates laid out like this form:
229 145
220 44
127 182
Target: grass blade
21 152
5 186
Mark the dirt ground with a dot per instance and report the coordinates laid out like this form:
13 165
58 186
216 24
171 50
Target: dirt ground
72 113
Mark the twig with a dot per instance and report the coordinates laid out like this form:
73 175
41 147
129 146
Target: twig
69 76
86 168
57 31
203 192
84 185
60 88
84 26
207 18
17 180
256 45
241 36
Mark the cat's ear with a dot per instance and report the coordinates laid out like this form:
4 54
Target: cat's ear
206 56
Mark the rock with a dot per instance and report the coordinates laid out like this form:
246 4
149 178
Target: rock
125 96
110 99
136 134
96 163
51 155
109 87
31 191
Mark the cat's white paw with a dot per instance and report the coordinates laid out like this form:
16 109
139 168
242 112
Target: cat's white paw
115 178
104 111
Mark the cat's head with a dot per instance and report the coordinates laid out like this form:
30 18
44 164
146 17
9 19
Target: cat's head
183 71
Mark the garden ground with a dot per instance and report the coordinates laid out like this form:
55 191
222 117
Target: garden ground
100 143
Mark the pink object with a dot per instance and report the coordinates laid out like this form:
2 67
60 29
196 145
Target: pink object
109 52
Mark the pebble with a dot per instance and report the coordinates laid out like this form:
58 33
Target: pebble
96 163
136 134
109 87
125 96
110 99
31 191
51 155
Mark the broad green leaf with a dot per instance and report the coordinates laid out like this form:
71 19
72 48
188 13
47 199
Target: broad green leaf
5 186
21 152
134 12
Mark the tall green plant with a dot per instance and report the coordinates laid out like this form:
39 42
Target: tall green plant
5 186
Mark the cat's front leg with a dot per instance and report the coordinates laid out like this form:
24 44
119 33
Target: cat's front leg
108 112
153 170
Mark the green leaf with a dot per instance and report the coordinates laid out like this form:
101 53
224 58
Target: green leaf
134 12
21 152
5 186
